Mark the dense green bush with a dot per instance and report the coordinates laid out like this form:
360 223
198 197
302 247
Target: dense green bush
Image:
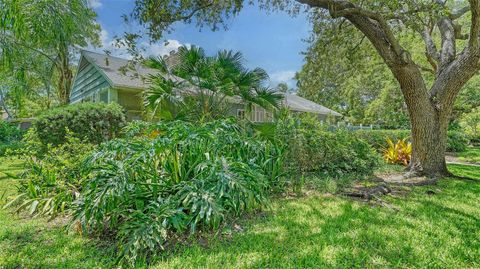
10 136
456 142
378 138
54 180
311 149
168 177
91 122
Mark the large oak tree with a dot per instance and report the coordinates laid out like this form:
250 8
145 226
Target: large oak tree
452 61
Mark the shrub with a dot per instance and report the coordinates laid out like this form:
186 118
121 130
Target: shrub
470 122
53 181
398 153
9 132
456 141
10 136
378 138
90 122
311 149
168 177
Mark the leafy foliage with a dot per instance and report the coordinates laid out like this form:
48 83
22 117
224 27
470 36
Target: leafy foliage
168 177
311 149
28 38
9 132
92 122
456 141
54 180
398 153
10 136
378 138
471 124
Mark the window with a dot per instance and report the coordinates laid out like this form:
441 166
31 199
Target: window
241 113
258 114
104 96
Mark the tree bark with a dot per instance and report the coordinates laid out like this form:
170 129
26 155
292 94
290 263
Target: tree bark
65 78
429 122
429 142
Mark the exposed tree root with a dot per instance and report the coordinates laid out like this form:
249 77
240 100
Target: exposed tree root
410 179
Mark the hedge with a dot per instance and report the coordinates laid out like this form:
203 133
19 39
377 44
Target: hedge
313 150
456 142
91 122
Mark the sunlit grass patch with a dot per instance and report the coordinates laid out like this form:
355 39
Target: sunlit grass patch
471 155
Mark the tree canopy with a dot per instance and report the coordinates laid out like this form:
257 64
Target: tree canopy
41 36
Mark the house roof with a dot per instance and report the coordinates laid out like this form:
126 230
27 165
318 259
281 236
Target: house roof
133 77
119 71
300 104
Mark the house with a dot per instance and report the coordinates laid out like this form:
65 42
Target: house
104 78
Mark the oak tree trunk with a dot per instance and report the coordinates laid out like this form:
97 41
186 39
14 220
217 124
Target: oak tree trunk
429 123
429 142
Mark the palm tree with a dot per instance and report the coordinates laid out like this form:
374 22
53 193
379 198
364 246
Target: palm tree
162 98
214 79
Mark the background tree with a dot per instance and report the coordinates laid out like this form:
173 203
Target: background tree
349 77
452 53
470 122
48 29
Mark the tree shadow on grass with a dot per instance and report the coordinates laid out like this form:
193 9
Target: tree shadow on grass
36 244
332 232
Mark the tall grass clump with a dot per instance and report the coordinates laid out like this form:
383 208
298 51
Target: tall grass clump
167 178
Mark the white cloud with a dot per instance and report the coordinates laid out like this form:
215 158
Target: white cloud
162 49
95 4
287 76
109 43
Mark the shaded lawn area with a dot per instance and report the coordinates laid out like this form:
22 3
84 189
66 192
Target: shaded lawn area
433 231
472 155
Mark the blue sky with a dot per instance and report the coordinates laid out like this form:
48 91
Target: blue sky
270 41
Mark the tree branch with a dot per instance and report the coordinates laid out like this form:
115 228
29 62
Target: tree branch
475 27
371 24
14 41
459 13
432 54
449 46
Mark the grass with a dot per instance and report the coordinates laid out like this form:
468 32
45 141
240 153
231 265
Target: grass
428 231
38 243
472 155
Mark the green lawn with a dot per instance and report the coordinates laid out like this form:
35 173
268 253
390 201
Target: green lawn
472 155
428 231
37 243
